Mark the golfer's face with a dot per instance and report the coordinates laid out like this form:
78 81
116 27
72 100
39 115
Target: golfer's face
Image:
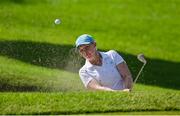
87 51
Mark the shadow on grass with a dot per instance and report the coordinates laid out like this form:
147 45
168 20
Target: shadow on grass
42 54
157 72
12 1
109 112
21 1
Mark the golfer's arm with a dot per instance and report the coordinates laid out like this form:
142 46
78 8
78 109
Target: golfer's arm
126 75
94 85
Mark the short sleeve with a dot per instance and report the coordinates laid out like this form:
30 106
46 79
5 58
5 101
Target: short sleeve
85 78
117 58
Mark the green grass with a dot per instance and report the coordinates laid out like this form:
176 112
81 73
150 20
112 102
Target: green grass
88 102
38 74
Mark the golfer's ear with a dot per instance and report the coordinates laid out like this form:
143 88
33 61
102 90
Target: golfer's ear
94 44
80 55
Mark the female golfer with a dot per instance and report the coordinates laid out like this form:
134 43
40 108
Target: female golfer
105 71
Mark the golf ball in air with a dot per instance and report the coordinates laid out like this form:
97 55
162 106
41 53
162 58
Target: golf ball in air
57 21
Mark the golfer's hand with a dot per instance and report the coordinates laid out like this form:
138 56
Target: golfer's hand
126 90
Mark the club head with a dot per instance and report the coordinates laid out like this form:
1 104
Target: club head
141 58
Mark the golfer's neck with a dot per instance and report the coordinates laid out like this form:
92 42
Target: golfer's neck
97 60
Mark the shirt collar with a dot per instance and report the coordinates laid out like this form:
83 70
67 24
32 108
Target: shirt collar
88 64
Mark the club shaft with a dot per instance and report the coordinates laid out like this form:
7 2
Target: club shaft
139 73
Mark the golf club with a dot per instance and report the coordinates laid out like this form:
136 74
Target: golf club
141 58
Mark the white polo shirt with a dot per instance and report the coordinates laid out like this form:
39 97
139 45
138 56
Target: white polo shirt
107 74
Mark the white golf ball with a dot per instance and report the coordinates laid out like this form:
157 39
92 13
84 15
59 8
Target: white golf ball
57 21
